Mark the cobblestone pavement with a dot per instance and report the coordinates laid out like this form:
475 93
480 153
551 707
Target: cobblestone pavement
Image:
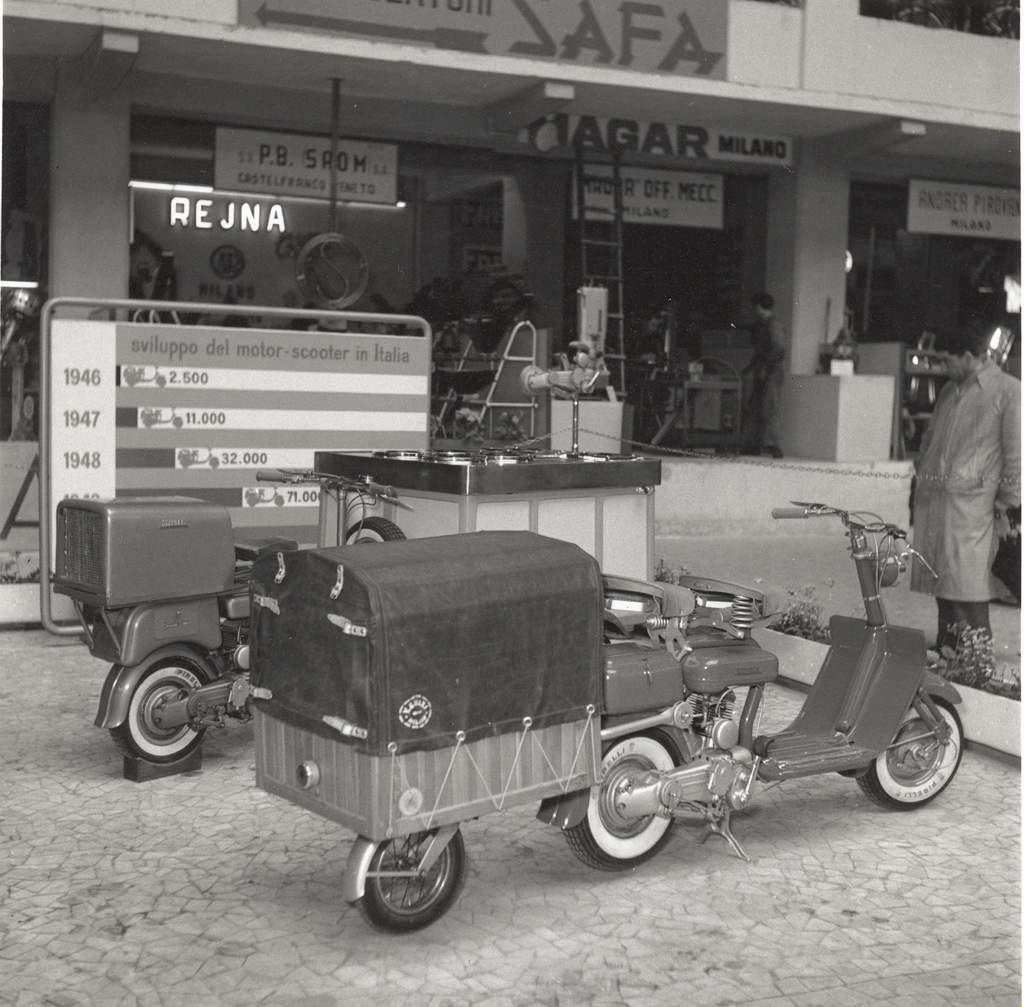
202 890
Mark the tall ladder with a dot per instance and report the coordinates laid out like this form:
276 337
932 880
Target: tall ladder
600 240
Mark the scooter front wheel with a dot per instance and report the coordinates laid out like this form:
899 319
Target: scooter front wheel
607 840
374 529
141 734
916 767
395 899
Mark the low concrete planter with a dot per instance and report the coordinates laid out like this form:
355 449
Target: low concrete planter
989 720
800 660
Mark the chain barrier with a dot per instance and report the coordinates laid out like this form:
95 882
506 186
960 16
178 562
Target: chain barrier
756 462
723 459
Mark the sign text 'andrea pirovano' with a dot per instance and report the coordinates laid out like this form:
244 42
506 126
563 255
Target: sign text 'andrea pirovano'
980 211
679 37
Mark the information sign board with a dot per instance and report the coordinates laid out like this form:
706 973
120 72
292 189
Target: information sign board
152 409
292 164
677 198
978 211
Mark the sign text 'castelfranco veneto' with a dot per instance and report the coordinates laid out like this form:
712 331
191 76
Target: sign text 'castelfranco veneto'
680 37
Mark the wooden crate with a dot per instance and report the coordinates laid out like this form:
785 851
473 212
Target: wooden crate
385 796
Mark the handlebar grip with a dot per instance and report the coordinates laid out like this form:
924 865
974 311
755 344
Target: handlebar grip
786 512
270 476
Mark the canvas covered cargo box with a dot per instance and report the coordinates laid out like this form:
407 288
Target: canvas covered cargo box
404 685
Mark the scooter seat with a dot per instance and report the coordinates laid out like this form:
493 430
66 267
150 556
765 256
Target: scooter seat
250 551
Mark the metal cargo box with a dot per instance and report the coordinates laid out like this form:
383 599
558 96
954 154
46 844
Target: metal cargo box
404 685
136 549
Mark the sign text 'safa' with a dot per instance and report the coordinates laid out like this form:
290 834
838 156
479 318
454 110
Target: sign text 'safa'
680 37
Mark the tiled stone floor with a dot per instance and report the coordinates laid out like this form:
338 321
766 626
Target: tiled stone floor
202 890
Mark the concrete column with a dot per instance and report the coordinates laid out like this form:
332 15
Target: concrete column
89 174
808 220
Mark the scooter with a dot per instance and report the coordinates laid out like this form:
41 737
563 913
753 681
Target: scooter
875 713
173 617
672 746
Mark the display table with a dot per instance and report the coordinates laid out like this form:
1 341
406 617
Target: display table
602 503
840 418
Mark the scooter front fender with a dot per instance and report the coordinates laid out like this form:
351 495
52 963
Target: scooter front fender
353 882
122 680
939 688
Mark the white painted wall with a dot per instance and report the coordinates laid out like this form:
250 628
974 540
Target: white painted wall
823 49
845 53
89 156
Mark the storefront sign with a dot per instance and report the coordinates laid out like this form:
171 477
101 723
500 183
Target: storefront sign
288 164
561 132
681 37
979 211
676 198
205 214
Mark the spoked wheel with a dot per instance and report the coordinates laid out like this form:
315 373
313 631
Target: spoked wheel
141 735
401 904
607 840
916 767
374 529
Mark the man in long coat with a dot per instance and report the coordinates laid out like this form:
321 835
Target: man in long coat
968 467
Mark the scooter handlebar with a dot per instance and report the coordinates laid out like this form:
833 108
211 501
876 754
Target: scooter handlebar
788 512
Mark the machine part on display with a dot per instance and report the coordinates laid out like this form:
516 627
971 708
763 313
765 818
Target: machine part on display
609 838
592 321
332 271
1000 344
412 880
919 764
20 305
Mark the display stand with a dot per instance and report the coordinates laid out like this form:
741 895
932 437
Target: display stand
142 770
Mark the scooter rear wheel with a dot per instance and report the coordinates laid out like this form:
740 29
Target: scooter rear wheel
915 768
401 904
140 735
605 839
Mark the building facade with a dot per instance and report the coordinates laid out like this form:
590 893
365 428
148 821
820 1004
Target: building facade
762 146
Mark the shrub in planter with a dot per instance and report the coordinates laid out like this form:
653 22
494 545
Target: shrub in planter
802 616
971 662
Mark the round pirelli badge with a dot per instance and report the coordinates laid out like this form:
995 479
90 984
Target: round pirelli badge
415 712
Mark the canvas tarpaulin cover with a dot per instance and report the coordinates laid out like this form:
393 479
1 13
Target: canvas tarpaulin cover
463 633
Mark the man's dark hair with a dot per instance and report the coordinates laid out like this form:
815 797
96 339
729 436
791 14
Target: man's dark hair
972 337
764 301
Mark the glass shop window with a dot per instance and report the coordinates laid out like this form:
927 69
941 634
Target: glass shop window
900 284
23 264
457 224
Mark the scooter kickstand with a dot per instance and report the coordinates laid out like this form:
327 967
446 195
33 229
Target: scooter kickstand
719 824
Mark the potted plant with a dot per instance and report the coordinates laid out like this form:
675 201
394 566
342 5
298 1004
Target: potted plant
990 710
